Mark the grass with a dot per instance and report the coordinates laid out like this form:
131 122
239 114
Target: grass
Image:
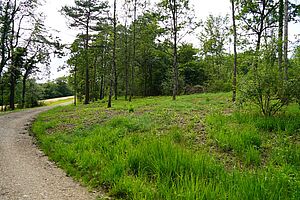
56 101
197 147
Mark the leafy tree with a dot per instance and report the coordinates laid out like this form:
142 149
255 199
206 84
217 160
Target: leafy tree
258 18
177 15
14 16
57 88
86 14
191 66
39 47
35 93
213 41
15 72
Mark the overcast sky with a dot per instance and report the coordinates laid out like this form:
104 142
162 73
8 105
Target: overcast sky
58 23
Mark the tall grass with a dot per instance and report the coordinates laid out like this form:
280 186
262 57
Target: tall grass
136 155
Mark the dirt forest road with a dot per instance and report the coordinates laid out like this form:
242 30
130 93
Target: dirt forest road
25 173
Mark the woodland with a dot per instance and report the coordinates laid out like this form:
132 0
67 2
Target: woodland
142 50
156 114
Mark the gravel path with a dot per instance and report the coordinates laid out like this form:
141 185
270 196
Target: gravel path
25 172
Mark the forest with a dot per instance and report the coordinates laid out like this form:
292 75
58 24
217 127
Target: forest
166 105
142 50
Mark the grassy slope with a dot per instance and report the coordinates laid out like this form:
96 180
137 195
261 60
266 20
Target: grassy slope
194 148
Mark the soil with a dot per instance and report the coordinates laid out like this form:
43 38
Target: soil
25 172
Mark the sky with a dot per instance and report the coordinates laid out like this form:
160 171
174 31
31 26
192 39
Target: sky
58 24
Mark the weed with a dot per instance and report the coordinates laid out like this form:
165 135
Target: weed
154 152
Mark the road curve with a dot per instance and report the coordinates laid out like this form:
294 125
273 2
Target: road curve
25 172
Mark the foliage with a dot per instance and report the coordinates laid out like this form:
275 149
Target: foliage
265 87
56 88
216 62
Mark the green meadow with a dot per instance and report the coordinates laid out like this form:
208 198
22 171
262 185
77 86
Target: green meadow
197 147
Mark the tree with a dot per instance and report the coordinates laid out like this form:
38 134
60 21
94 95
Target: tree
114 67
39 47
191 68
234 82
286 39
19 13
258 17
15 71
133 63
5 28
177 16
127 52
280 37
213 41
266 85
86 14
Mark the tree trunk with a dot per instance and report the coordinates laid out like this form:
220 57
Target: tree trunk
286 38
259 36
235 53
102 87
2 93
134 53
4 35
93 86
75 84
24 90
175 67
12 70
87 85
114 53
12 91
280 38
126 62
104 65
113 70
110 92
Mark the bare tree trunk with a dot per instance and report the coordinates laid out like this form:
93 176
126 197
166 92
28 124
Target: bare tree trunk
126 62
114 53
102 87
280 39
75 84
134 53
235 53
259 35
87 85
12 68
113 70
286 38
175 67
93 86
24 89
2 93
110 92
12 91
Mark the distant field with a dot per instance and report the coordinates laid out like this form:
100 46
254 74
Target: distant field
57 100
46 102
197 147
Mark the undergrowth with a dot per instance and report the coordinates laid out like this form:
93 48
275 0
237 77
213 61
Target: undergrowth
193 148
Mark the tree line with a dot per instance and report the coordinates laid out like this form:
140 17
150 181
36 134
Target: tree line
137 48
25 46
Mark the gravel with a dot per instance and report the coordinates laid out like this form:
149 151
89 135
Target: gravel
25 172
